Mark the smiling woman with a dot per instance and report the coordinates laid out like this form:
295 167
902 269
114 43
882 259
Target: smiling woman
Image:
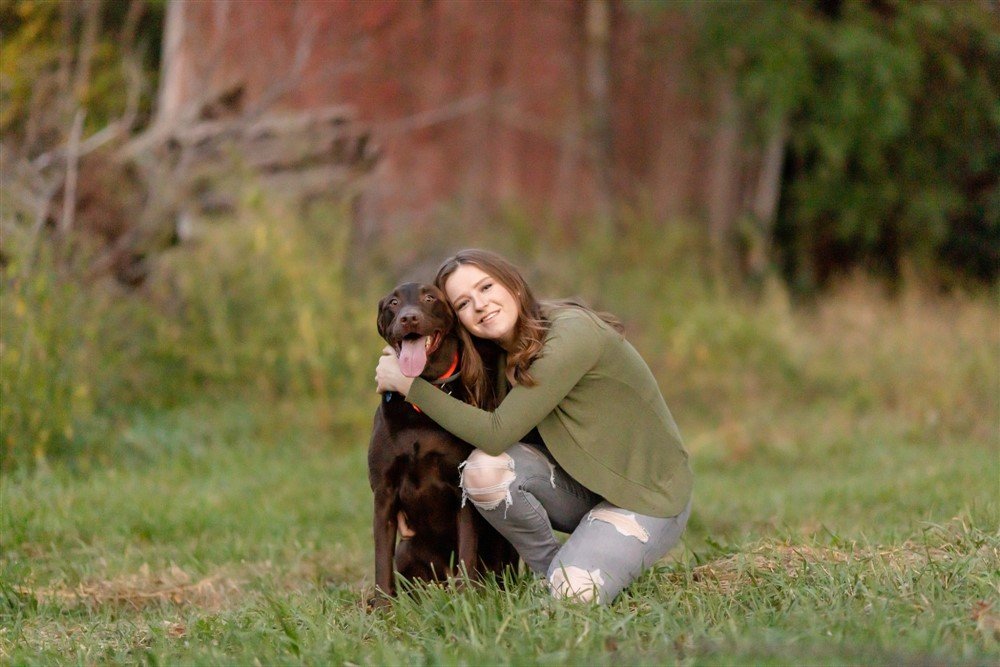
484 306
571 430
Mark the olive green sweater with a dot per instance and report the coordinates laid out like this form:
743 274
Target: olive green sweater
598 409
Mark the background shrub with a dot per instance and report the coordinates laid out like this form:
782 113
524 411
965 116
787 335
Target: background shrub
259 305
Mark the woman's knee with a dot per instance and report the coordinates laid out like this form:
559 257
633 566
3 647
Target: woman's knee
486 479
570 582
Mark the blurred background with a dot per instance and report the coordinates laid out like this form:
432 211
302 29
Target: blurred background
794 206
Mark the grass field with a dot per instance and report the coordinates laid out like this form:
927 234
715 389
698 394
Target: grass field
846 506
245 541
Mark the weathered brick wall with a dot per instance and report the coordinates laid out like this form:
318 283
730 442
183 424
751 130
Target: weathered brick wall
471 103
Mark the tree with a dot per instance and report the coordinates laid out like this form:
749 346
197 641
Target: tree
58 58
891 111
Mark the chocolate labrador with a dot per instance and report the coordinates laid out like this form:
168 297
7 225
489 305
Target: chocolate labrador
413 462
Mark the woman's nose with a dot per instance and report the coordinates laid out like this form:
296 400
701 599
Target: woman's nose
478 301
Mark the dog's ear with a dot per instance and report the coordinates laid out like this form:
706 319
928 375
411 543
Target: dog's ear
385 316
442 308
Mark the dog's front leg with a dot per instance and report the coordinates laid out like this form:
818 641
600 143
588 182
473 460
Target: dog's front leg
468 541
384 530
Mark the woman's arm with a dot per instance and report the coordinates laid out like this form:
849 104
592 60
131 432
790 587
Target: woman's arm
571 349
388 376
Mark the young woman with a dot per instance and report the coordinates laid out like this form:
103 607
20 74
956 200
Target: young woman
571 432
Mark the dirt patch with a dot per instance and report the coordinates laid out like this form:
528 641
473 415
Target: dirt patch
335 566
737 570
987 620
173 585
219 590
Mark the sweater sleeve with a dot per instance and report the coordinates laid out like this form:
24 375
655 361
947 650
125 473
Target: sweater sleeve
572 347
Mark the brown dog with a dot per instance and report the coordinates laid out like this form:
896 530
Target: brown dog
413 463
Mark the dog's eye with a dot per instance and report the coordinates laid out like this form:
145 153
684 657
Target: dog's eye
393 302
429 298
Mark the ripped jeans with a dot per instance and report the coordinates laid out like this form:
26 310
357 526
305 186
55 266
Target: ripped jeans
525 494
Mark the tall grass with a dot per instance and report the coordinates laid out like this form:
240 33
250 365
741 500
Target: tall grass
55 349
259 305
262 302
275 304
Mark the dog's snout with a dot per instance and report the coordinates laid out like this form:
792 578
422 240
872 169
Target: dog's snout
409 317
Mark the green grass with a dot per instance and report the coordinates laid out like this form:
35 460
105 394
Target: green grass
242 534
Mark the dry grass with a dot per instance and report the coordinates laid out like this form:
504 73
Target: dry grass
927 358
142 588
734 572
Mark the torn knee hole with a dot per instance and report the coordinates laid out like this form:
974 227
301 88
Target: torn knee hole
576 583
624 522
486 479
489 488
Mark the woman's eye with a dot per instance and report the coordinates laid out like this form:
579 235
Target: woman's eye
487 286
461 306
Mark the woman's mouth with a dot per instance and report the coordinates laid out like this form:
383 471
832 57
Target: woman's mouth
489 317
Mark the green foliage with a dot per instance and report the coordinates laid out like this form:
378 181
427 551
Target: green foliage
49 374
258 305
76 355
42 50
892 110
261 301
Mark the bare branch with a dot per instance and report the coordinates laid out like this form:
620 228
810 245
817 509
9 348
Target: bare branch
130 27
66 12
765 201
119 128
88 42
72 171
598 30
284 85
40 109
441 114
131 66
42 205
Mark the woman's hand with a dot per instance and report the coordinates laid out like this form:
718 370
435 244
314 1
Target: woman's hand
388 377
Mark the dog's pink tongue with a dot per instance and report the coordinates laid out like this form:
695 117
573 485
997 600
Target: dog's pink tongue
413 357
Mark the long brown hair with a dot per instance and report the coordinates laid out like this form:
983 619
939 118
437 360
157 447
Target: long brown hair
529 332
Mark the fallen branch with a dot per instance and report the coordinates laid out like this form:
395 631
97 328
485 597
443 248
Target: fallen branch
72 171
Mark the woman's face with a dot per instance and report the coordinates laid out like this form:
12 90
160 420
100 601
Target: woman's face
484 306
